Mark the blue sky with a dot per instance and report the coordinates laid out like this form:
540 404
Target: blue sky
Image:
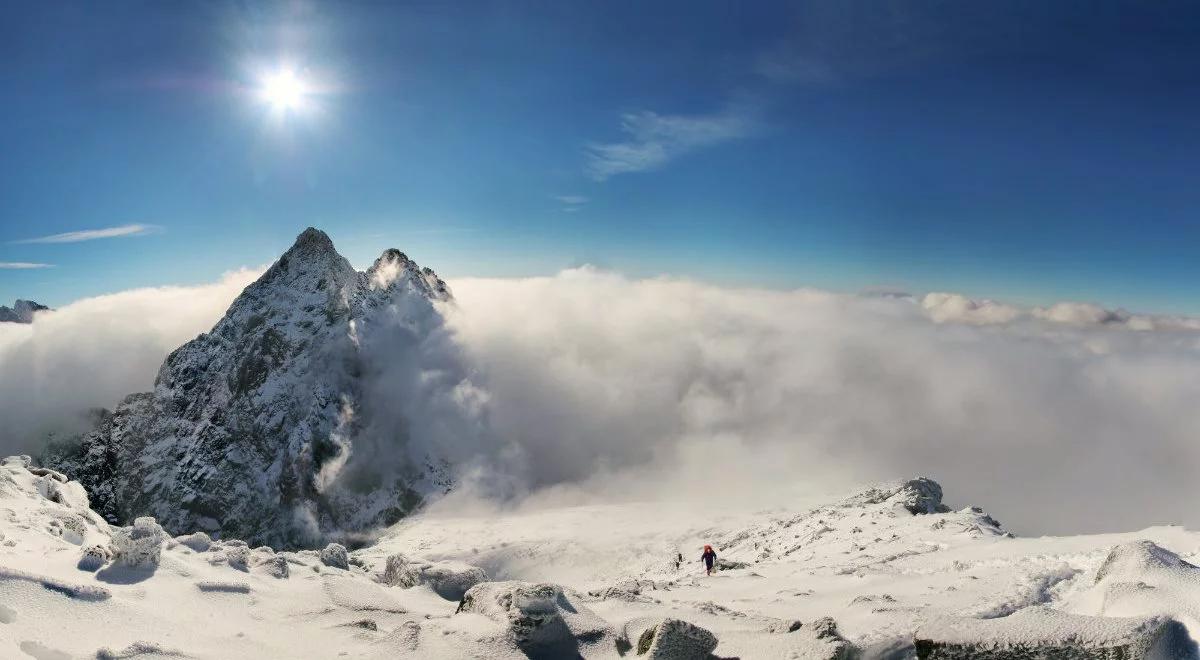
1027 151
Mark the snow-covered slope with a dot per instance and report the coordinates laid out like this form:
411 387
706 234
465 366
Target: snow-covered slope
888 572
249 426
21 312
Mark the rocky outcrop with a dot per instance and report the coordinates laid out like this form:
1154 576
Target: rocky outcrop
450 580
334 556
918 496
253 429
542 620
21 312
673 639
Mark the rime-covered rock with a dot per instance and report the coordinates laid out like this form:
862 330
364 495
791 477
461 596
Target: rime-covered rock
450 580
674 639
543 620
93 558
918 496
274 565
334 555
198 542
140 545
1041 632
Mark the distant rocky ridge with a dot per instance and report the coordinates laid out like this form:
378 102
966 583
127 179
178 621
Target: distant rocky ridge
249 426
21 311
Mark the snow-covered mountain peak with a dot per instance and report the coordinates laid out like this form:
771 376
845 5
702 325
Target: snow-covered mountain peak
249 425
393 268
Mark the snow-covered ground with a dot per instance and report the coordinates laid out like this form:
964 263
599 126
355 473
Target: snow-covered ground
890 564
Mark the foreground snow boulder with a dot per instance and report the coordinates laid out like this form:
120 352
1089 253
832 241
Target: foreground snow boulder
450 580
541 619
1041 632
335 556
140 545
673 639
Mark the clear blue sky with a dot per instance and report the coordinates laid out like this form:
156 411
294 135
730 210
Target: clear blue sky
1030 151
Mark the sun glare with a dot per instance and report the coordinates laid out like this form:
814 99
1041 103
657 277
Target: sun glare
283 90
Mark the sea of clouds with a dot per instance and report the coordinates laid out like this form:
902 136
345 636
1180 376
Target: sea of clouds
591 386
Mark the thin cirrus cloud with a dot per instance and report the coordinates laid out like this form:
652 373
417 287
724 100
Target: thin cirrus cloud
571 203
93 234
654 140
22 265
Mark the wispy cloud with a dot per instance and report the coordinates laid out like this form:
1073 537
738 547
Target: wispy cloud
654 140
571 203
94 234
22 265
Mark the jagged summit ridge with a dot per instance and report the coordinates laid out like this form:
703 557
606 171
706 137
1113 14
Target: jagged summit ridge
250 425
21 312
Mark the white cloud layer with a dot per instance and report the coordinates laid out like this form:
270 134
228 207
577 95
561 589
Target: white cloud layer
93 234
22 265
654 140
591 385
93 352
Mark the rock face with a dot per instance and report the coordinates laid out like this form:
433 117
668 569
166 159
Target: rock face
251 428
21 311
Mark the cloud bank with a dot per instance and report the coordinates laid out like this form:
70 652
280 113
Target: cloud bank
1056 422
588 385
93 352
22 265
93 234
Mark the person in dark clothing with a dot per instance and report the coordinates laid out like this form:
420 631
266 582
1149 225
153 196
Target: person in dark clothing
710 559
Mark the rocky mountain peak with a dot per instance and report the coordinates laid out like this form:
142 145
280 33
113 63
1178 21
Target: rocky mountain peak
250 425
21 311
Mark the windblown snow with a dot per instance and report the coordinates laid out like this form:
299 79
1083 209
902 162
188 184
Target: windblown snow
888 571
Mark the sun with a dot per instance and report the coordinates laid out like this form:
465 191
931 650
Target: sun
283 90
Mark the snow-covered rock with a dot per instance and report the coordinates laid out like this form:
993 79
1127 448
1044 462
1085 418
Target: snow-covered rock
1041 632
198 542
673 639
1140 559
543 620
918 496
93 558
139 545
334 555
450 580
250 426
273 565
